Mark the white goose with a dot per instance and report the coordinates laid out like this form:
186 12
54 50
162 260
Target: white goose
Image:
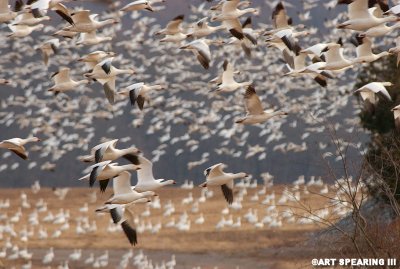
104 171
23 30
202 29
201 50
6 14
173 27
91 38
107 152
396 115
84 22
364 51
49 48
138 5
396 50
138 93
280 19
123 192
146 180
335 60
16 145
255 112
95 57
369 91
361 18
215 176
106 74
63 81
228 82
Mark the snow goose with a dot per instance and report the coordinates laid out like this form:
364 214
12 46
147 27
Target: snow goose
6 14
63 81
123 192
107 152
95 57
202 29
106 74
16 145
4 81
138 5
173 27
23 30
138 93
396 115
49 48
360 17
201 50
250 37
104 171
280 19
255 112
228 83
215 176
30 18
84 22
396 50
335 60
146 180
364 51
230 17
91 38
368 92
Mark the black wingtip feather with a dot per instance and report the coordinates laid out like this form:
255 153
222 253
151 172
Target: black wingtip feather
228 194
129 232
103 184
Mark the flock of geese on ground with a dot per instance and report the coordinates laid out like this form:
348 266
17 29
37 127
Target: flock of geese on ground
264 49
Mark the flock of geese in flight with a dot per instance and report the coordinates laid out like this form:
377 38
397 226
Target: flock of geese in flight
228 25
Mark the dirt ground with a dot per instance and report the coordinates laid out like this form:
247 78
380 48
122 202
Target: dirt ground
203 245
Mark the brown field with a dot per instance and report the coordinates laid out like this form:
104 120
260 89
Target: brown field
203 245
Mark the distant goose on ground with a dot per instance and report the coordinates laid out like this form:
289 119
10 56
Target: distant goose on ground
215 176
138 5
138 93
368 92
228 82
255 112
104 171
123 192
146 180
16 145
361 18
63 81
106 74
107 152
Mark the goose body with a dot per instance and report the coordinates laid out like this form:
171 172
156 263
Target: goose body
84 22
63 81
6 14
138 5
107 152
139 93
369 91
202 29
364 51
228 82
16 145
255 113
215 176
146 180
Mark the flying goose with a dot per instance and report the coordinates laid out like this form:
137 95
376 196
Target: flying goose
93 58
104 171
215 176
146 180
16 145
49 48
202 29
201 50
23 30
138 5
30 18
364 51
280 19
124 193
63 81
228 83
250 37
230 17
107 152
361 18
255 112
106 74
368 92
138 93
91 38
396 50
84 22
396 115
6 14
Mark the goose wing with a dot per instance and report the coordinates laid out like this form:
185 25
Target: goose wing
81 17
62 76
145 173
214 171
227 191
252 101
122 183
173 26
280 18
